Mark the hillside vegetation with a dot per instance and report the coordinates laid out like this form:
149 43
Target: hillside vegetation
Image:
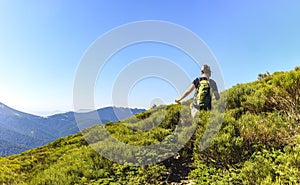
258 142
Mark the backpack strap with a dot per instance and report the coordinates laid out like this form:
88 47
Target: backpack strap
199 79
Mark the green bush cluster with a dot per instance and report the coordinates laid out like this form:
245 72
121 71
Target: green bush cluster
255 141
259 139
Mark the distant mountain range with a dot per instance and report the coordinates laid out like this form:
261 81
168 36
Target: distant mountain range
20 131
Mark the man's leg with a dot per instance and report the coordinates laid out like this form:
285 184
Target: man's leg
194 111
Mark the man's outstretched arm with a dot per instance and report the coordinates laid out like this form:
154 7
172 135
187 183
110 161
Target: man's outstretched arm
186 93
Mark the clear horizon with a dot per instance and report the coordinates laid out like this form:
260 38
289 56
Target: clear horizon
44 42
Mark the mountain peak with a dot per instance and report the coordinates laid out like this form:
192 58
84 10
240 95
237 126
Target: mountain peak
2 105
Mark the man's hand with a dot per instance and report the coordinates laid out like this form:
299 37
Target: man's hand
177 100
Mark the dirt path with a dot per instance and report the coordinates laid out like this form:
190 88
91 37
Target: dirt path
179 169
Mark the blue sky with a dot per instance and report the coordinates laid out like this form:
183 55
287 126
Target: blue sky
43 42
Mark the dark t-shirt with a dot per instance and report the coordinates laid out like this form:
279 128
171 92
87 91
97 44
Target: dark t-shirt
212 84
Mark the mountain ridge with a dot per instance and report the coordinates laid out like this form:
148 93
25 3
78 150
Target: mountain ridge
22 129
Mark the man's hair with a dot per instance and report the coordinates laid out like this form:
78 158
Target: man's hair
206 69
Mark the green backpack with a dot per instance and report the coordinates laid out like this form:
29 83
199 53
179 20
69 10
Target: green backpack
202 97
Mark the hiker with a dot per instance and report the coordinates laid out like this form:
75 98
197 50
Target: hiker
204 86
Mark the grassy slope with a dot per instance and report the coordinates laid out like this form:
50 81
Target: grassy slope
258 143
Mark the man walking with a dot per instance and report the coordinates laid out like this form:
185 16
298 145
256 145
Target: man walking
204 88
